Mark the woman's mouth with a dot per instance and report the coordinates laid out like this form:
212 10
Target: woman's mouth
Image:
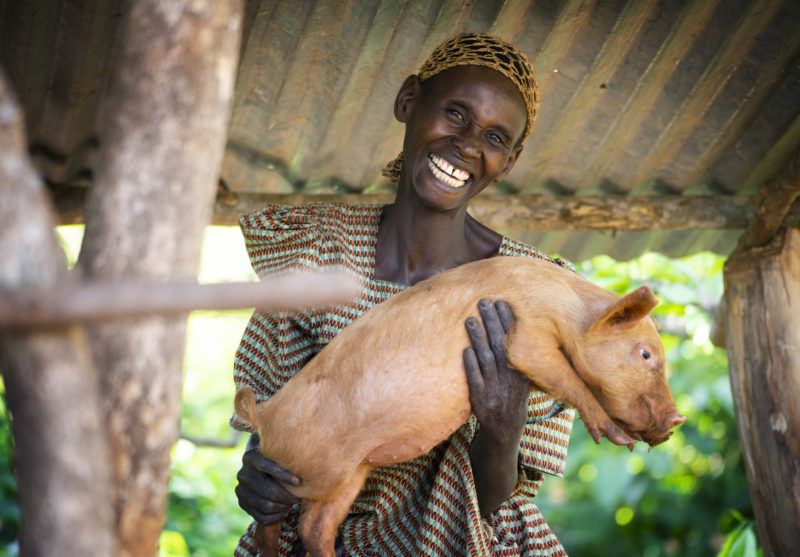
446 172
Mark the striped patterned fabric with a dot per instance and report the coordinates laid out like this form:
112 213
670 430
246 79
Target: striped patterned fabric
426 506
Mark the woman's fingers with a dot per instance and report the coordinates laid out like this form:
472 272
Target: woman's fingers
505 313
473 369
261 463
264 486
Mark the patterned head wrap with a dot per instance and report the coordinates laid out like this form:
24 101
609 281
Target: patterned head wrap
477 49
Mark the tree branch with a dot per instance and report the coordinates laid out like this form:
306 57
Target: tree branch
213 442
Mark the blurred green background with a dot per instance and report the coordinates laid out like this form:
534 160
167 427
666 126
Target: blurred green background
687 497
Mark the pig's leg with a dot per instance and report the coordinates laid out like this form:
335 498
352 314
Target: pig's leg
540 359
266 539
321 519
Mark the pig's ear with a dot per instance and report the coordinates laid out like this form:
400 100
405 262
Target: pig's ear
245 406
628 310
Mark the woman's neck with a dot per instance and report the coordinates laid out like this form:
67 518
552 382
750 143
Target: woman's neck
415 242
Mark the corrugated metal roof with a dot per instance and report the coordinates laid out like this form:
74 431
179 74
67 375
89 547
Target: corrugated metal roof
677 97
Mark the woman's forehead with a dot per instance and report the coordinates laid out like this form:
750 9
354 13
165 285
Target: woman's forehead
480 49
485 90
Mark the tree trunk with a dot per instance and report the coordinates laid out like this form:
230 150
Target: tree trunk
163 130
51 386
762 293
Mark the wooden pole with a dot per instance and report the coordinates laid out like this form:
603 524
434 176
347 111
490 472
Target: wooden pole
28 308
762 294
162 134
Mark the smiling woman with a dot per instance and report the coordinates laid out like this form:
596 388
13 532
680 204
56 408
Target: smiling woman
484 51
463 128
466 115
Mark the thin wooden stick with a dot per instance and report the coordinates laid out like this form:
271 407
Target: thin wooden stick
213 442
31 308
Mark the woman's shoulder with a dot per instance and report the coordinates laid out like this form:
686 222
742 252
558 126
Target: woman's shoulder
517 248
284 237
314 215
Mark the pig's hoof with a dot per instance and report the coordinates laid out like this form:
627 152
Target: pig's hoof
595 433
617 436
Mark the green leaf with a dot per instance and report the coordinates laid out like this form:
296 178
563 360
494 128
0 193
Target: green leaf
741 542
172 544
745 544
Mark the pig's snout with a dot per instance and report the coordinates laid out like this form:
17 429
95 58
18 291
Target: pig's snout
655 420
662 432
673 419
676 420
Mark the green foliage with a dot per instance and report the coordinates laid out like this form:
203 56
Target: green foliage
682 497
202 502
741 542
9 506
70 238
172 544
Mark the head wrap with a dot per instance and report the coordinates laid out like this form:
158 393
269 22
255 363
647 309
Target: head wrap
477 49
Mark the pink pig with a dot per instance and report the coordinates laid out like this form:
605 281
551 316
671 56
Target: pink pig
392 384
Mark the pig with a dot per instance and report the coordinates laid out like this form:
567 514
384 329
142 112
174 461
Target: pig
392 384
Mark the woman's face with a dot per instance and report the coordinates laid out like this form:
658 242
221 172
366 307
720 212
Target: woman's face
462 128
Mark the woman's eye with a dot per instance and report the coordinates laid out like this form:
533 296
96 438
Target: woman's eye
457 115
496 139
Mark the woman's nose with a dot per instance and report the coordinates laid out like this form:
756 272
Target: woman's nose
467 141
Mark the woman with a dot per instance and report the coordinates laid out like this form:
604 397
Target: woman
466 115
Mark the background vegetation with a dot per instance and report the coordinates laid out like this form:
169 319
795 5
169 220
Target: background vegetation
687 497
683 497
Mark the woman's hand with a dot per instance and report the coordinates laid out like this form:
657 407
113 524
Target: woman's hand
498 394
499 398
259 492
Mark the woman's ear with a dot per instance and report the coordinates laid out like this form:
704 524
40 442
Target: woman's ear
409 91
512 159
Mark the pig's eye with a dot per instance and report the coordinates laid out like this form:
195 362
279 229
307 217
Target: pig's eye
645 354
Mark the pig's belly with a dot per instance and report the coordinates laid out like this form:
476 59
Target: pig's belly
409 417
417 435
377 419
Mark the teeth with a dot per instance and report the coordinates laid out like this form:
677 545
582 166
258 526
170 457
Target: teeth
452 182
446 172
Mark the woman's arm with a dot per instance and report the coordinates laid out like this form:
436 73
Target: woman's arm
499 398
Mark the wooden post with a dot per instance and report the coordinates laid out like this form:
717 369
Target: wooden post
51 385
762 293
162 134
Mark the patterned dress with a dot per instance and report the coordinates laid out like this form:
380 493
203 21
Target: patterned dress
426 506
